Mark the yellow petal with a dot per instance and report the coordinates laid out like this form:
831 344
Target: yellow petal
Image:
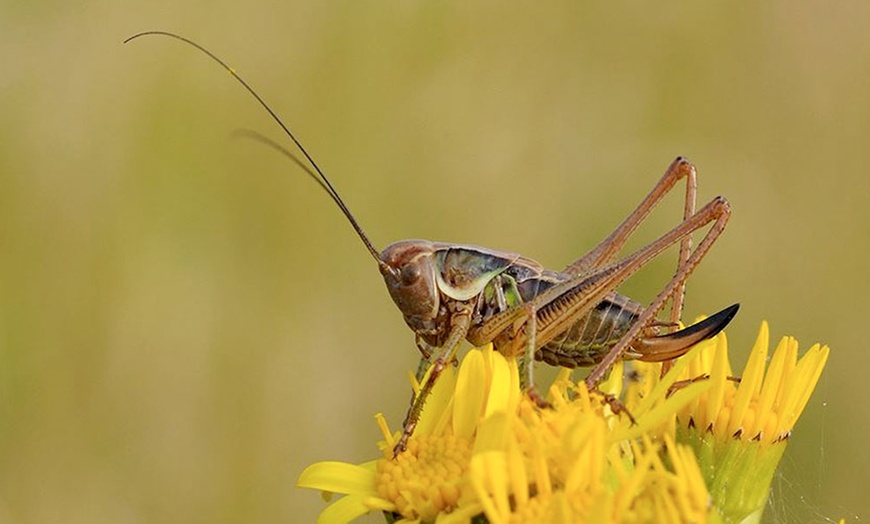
492 434
470 394
804 379
438 404
662 387
338 477
486 472
719 377
516 472
657 416
503 392
750 382
772 384
344 510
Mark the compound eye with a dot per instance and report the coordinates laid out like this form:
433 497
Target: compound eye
410 274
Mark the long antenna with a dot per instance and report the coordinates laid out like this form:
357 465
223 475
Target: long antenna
263 139
322 178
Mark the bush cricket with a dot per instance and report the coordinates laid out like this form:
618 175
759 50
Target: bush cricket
448 293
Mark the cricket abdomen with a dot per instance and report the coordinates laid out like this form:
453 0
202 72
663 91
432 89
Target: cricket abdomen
583 344
592 336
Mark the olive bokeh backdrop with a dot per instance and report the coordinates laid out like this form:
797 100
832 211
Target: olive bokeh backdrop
187 321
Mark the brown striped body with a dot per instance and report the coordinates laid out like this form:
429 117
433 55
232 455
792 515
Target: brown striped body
592 336
588 338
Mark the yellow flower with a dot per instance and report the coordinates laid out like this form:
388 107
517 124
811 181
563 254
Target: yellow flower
762 406
429 480
567 464
739 430
482 450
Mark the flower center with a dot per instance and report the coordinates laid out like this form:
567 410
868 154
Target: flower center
427 478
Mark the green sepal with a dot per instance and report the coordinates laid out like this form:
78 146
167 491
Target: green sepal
738 472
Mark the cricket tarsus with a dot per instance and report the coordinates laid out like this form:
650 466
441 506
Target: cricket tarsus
450 292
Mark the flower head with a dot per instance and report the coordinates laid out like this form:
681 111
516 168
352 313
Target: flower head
483 450
760 406
739 428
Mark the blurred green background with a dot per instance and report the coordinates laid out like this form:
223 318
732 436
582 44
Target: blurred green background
186 321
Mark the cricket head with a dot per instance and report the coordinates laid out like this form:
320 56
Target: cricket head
408 269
